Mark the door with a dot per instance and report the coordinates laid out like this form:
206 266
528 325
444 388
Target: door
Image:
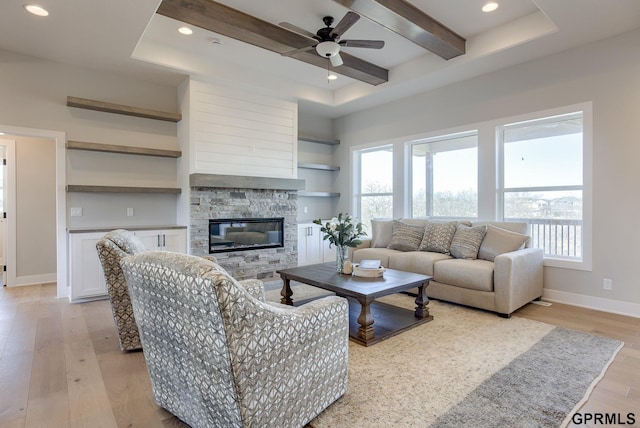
7 211
3 223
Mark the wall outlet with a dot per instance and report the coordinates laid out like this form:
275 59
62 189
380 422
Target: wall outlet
76 212
305 210
607 284
129 212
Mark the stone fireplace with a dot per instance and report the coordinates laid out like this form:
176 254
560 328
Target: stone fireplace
237 197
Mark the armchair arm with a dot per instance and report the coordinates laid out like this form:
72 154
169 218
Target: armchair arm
255 287
518 278
296 351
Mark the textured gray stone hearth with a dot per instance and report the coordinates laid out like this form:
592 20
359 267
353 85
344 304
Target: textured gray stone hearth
239 202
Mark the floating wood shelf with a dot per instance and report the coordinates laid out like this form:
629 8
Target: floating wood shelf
122 109
319 166
121 189
127 150
319 194
329 142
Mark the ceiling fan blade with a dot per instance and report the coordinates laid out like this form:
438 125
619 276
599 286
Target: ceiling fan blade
298 30
336 60
371 44
297 51
345 23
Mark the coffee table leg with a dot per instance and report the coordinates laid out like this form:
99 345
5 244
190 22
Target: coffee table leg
365 319
286 292
422 311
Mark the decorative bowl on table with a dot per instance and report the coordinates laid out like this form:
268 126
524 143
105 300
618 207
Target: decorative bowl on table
368 273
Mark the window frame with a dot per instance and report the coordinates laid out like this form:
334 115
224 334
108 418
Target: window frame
440 138
357 193
585 262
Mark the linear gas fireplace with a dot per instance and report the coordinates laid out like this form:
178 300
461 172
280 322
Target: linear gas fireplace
238 234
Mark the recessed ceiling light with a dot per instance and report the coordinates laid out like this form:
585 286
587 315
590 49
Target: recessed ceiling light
332 77
185 30
36 10
490 6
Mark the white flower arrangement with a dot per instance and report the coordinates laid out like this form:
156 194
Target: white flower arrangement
342 231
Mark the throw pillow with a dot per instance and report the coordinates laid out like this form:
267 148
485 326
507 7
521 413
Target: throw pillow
499 241
381 233
466 241
437 237
406 237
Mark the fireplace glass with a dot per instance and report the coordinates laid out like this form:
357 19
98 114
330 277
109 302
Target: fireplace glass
238 234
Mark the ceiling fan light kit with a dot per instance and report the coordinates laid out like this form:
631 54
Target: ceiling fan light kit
328 49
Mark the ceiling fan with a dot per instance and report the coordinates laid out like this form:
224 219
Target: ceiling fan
326 41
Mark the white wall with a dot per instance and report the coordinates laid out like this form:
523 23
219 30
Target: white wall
606 73
233 132
35 207
34 94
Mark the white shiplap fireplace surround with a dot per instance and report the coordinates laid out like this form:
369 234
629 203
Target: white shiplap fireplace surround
223 197
239 155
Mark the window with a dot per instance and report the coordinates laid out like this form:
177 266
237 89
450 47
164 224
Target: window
542 181
444 176
374 183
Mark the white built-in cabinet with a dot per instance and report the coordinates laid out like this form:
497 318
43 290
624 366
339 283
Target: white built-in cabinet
165 240
312 248
86 277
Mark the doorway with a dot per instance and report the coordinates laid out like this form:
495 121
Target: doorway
58 139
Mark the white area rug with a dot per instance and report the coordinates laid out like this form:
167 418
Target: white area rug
466 368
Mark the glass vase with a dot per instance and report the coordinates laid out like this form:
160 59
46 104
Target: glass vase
342 255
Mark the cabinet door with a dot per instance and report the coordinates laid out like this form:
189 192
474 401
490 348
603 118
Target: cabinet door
86 275
309 244
174 240
164 239
303 232
150 238
328 254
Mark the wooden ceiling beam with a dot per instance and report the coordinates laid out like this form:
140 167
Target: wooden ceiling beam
411 23
240 26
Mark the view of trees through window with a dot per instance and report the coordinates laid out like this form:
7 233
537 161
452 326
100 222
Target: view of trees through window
444 173
542 181
538 175
376 184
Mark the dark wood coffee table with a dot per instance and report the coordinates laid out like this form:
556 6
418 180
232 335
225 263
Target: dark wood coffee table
364 311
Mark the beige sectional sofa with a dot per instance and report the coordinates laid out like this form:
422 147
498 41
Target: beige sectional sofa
486 265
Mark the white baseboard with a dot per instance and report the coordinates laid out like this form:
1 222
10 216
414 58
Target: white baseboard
591 302
35 279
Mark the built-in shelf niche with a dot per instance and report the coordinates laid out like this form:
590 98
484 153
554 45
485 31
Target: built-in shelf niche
318 167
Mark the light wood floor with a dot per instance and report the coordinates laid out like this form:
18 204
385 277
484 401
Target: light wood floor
60 364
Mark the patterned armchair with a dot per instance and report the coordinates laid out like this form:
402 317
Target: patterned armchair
112 248
219 356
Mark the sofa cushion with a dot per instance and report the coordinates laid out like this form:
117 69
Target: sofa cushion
381 233
381 254
466 241
437 237
406 237
416 261
499 241
471 274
